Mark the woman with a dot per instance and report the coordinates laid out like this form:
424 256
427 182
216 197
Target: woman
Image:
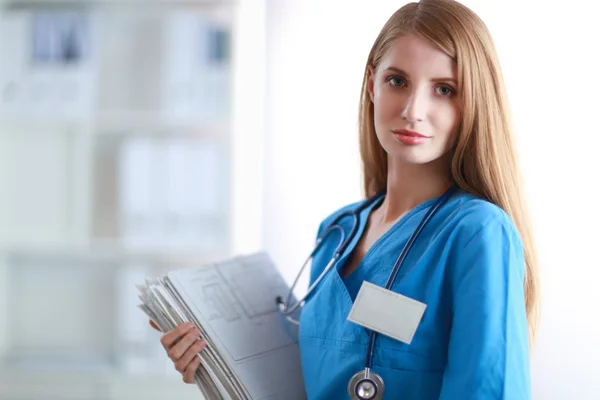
434 131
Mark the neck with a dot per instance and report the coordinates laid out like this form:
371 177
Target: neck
409 185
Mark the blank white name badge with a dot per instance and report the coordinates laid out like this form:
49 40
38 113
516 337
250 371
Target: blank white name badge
387 312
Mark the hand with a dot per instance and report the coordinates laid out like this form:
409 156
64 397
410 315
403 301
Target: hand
182 345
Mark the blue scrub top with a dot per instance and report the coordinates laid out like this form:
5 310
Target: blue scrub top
467 266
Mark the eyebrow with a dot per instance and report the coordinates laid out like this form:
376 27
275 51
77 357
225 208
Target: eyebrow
401 72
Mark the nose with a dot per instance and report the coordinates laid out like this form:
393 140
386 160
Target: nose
415 108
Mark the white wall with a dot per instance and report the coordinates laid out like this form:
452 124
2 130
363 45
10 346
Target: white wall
314 66
249 135
315 58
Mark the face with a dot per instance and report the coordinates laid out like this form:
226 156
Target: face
416 107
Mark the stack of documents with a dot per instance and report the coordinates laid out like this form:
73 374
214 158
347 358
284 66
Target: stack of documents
252 350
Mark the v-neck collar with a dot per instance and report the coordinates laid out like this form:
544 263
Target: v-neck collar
363 219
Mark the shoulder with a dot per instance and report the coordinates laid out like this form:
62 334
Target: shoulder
483 241
322 254
474 219
333 215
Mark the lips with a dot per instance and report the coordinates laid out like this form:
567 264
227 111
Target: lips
406 132
410 138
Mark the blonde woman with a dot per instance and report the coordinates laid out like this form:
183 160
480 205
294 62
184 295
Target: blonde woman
439 263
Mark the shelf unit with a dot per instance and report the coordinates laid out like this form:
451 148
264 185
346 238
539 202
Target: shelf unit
142 104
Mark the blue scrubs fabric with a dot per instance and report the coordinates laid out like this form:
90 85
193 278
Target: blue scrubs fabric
467 266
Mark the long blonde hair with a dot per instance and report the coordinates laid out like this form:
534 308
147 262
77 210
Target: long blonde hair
484 160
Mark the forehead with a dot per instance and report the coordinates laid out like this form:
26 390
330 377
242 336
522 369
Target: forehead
419 58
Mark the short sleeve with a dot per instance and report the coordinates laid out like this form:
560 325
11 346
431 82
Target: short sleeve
488 353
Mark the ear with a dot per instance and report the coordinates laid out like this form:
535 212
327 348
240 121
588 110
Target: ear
370 81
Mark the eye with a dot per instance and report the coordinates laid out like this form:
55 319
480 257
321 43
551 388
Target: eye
445 90
396 81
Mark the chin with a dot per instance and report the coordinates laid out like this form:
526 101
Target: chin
403 160
412 156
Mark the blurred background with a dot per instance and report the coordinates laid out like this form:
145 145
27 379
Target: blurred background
141 136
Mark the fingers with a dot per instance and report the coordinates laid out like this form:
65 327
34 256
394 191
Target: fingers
179 348
182 364
183 345
190 371
171 337
153 324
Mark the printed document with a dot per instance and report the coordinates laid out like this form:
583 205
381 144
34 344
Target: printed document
252 350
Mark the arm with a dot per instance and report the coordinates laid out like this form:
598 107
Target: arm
488 353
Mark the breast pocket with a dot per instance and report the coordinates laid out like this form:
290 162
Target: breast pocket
393 354
408 373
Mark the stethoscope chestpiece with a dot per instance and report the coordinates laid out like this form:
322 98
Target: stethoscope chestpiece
366 385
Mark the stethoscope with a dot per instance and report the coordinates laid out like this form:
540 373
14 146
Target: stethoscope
364 385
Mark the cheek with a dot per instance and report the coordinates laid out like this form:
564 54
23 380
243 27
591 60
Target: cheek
450 129
386 105
447 121
378 107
